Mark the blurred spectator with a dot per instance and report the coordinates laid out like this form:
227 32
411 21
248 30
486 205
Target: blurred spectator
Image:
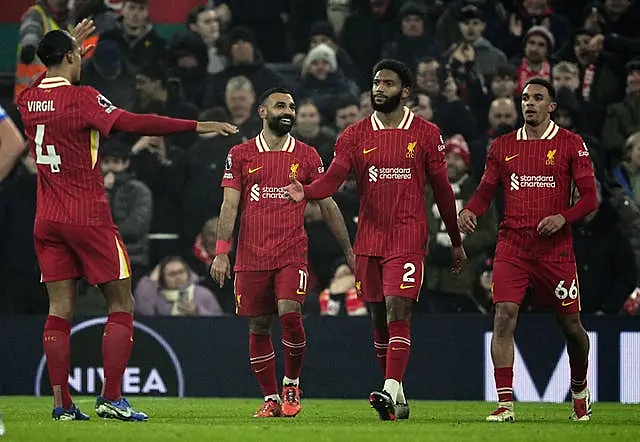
21 291
240 100
138 41
623 119
204 22
448 293
42 17
622 18
130 202
627 173
341 297
420 103
322 82
415 41
263 18
187 61
493 12
162 168
364 33
172 290
308 130
538 46
538 14
244 59
473 51
303 15
604 261
595 18
322 32
503 82
450 113
97 10
347 113
366 109
600 85
107 71
574 116
154 96
202 194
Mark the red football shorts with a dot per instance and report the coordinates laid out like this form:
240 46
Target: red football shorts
555 284
258 292
67 251
378 277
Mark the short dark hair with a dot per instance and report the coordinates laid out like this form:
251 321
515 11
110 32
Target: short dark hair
192 17
403 71
346 101
53 46
544 83
274 90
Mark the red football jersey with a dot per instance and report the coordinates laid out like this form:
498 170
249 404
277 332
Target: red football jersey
63 124
391 167
272 231
537 177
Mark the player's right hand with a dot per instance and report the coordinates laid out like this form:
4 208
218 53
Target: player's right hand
83 30
216 127
467 221
220 269
294 191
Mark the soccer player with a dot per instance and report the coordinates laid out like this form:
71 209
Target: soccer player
537 165
393 152
271 261
74 232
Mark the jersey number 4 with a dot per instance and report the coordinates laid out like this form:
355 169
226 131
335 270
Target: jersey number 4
52 159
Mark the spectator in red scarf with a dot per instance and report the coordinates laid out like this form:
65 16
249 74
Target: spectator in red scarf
538 45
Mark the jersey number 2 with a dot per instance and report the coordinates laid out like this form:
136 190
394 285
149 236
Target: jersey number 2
51 158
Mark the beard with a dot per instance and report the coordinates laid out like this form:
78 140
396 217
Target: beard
389 105
503 129
278 127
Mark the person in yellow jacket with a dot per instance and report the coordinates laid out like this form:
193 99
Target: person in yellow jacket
42 17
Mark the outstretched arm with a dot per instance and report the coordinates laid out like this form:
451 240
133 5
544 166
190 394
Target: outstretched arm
148 124
481 199
326 185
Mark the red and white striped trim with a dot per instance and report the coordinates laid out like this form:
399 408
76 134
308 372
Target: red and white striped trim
289 144
264 358
380 345
550 132
399 340
51 82
288 344
405 123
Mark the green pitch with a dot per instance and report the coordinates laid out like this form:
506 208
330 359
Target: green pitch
28 419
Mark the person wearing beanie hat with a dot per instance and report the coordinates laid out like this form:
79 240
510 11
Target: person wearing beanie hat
323 32
538 44
321 81
457 146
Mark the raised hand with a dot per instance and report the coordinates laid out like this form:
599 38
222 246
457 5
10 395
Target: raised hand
83 30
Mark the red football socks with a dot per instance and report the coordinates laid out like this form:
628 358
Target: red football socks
398 350
380 344
294 342
263 363
504 383
117 342
57 349
579 377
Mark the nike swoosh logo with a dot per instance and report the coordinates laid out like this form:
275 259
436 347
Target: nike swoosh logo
260 370
403 287
509 158
255 170
300 292
366 151
564 303
397 349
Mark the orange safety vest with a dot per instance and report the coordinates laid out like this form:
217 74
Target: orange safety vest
27 72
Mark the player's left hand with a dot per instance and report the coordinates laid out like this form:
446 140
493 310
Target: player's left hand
459 257
294 191
551 224
215 127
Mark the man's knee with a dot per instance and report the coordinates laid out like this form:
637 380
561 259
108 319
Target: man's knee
505 317
260 325
399 308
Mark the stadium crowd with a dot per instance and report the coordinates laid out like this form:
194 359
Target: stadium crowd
470 59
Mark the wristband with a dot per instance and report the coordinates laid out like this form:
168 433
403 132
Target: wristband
223 247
